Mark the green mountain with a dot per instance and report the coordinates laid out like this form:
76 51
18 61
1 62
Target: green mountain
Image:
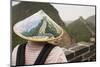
91 22
91 19
80 30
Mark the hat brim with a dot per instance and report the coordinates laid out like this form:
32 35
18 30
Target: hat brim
37 39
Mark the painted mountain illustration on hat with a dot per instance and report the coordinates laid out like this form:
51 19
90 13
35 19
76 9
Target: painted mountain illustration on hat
38 27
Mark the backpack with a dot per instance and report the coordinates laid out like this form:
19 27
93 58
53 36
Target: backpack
20 60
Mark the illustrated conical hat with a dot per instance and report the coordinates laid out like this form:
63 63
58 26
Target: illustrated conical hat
38 27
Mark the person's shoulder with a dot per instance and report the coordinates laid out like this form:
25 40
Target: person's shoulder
15 49
17 46
56 55
14 53
57 47
56 50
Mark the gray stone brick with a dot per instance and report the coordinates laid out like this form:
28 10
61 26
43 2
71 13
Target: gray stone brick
93 58
90 53
69 55
80 50
76 59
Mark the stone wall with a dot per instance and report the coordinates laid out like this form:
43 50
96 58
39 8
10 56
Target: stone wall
81 52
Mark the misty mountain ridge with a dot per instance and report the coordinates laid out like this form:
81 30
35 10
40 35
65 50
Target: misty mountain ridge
90 19
81 29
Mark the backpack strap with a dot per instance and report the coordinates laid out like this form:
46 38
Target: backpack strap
44 54
20 60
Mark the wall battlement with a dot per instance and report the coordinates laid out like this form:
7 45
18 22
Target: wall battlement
83 52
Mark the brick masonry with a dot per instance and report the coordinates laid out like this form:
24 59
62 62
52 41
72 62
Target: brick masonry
81 52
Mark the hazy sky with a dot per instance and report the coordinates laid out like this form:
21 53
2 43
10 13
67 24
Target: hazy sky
71 12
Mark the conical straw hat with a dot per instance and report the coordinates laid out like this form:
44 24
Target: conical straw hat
38 27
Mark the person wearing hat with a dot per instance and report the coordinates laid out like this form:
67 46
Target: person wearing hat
39 30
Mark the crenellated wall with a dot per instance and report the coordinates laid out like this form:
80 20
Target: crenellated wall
81 52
